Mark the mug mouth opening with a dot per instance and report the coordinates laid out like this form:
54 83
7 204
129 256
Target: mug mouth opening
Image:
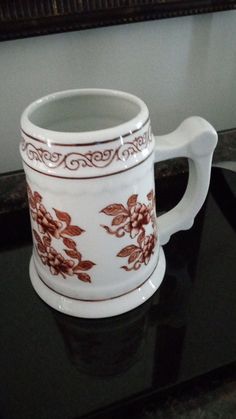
99 114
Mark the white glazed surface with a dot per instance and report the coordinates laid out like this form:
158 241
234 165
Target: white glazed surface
84 200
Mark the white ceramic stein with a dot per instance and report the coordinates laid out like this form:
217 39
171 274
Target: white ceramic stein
89 160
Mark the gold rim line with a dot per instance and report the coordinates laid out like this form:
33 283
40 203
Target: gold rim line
86 144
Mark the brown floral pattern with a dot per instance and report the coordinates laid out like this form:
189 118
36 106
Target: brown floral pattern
133 219
49 229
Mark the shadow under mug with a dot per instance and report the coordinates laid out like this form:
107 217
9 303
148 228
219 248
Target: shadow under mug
89 157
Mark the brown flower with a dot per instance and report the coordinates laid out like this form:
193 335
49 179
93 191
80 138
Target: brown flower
147 246
139 216
46 223
57 263
48 228
133 220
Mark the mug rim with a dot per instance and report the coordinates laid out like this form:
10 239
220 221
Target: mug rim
99 135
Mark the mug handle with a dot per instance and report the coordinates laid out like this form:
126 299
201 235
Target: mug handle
195 139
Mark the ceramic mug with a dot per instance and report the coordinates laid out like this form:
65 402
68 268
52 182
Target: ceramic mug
89 160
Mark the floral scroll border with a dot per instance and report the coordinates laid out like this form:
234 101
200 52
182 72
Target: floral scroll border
94 159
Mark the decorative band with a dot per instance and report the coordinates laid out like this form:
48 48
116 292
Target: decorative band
82 144
77 161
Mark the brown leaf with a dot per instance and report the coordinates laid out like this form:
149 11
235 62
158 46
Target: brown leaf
141 237
47 241
84 277
114 209
69 243
127 227
108 229
79 256
37 236
41 248
132 200
141 258
119 219
63 216
150 195
37 197
84 265
134 256
126 251
72 231
125 268
72 253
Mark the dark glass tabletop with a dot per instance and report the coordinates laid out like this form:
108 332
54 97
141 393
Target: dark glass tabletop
59 367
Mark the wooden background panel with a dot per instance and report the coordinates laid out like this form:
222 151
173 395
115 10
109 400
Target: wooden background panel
24 18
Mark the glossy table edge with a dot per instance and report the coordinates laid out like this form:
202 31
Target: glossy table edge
181 393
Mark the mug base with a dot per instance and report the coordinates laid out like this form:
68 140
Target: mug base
102 308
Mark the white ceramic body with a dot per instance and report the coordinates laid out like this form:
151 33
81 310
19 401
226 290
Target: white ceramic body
91 193
84 200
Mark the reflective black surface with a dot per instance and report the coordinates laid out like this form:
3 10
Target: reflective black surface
55 366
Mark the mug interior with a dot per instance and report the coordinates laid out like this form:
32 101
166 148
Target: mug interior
83 112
